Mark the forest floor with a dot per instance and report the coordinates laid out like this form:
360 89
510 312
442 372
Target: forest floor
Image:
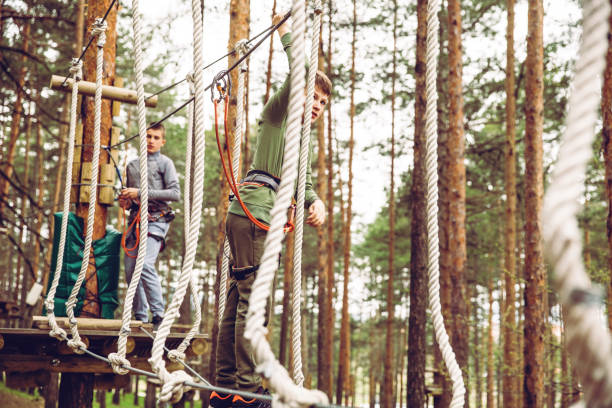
16 399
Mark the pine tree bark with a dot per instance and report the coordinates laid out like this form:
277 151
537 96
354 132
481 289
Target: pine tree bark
96 9
510 367
456 173
535 273
417 320
387 384
606 109
344 358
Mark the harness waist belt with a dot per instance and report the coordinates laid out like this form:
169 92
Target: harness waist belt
258 176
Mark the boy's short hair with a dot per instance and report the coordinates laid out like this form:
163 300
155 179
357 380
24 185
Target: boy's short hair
158 126
323 82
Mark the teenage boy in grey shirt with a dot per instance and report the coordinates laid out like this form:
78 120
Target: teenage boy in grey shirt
163 188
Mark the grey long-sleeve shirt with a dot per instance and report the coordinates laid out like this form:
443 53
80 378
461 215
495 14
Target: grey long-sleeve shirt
163 182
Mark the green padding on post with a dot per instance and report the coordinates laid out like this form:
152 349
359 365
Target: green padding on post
106 253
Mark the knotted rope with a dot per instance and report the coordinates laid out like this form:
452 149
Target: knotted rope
77 75
118 359
296 338
241 47
588 340
77 345
431 127
289 394
156 360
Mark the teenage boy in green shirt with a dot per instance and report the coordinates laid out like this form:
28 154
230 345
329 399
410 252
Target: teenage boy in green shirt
235 364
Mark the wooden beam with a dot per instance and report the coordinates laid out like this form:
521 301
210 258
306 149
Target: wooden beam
108 92
108 382
28 379
64 364
85 323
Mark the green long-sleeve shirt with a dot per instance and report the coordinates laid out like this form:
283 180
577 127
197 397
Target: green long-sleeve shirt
269 152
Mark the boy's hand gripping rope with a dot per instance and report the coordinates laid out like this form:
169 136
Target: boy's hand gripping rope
76 343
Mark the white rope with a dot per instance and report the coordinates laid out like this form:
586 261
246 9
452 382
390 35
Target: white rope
77 75
179 353
296 337
588 340
289 394
241 48
431 127
77 345
156 360
118 359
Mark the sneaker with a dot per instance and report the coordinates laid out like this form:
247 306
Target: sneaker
156 322
220 400
242 402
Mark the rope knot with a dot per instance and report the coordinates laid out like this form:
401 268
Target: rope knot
242 47
77 345
58 333
190 77
76 69
99 30
173 389
176 355
119 363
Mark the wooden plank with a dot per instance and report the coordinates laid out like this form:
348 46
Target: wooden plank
108 92
107 382
85 323
116 105
106 195
27 379
63 364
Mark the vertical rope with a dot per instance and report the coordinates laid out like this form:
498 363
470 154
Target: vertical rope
431 128
172 382
279 380
77 75
99 28
588 340
296 337
241 48
118 359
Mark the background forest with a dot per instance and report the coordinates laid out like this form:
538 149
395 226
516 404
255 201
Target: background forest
367 335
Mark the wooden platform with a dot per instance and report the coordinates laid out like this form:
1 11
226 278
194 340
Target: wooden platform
30 350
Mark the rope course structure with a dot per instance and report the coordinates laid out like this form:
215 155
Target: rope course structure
431 163
587 337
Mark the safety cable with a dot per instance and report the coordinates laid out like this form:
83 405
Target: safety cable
91 38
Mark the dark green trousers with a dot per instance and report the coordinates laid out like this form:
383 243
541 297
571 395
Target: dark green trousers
235 362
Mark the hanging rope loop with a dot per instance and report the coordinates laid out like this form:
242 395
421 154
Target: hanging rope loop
76 69
99 30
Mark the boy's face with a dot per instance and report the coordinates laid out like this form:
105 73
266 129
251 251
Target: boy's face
318 104
155 140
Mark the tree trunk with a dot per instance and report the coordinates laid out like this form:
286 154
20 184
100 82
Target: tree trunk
270 52
387 384
287 296
606 109
510 367
478 350
344 358
94 10
535 273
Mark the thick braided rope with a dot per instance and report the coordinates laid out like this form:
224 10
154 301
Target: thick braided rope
156 360
241 48
588 340
289 394
118 359
77 75
431 127
99 28
179 352
296 328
